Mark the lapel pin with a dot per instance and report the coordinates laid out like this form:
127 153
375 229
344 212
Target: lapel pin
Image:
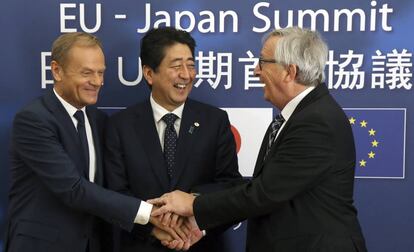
191 130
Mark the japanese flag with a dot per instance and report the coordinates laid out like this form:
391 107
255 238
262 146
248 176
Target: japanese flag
249 125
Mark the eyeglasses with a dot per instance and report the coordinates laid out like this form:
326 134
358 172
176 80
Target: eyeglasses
261 61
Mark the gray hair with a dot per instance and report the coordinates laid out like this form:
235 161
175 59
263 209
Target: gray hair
303 48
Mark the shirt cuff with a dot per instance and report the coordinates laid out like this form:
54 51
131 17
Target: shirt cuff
144 213
204 232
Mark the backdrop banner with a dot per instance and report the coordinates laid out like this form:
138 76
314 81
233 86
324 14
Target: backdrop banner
369 72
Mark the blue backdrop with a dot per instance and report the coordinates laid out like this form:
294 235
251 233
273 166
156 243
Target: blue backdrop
369 72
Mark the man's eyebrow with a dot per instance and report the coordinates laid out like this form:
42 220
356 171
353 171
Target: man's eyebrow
181 59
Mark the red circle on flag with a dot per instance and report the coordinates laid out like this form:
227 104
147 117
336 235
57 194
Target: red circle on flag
237 137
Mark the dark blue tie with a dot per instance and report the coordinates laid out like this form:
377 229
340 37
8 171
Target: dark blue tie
170 142
83 140
274 128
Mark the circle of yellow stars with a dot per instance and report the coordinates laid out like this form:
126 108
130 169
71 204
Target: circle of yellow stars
374 143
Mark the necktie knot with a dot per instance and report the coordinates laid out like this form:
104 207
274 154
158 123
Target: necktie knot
277 122
169 118
274 128
80 117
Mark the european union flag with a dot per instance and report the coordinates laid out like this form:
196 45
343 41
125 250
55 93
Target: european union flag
379 140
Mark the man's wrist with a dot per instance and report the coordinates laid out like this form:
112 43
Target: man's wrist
144 213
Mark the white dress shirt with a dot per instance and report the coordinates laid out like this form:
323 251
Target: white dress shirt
145 209
158 112
92 155
287 111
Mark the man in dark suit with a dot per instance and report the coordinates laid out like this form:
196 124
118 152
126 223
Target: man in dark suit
138 139
301 195
56 155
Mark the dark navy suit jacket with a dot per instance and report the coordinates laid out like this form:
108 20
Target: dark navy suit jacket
52 206
206 161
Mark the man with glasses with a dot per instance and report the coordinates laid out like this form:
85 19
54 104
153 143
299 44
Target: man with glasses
301 194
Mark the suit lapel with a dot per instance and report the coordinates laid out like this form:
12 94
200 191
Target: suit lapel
262 151
315 94
319 91
64 119
145 128
97 144
186 138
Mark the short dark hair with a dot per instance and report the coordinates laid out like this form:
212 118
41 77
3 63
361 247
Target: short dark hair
156 40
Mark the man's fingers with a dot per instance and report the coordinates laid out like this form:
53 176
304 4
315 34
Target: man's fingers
173 234
182 234
172 244
166 219
174 220
176 244
180 221
160 211
186 230
165 243
157 201
190 226
187 245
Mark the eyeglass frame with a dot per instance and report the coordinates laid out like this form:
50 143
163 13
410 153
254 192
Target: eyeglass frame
262 60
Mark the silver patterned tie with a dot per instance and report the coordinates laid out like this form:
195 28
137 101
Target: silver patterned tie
274 127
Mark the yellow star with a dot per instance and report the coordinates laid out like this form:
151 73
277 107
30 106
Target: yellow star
372 132
375 143
362 163
371 154
363 124
352 120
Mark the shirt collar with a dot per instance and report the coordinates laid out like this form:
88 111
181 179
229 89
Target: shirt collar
287 111
160 111
68 107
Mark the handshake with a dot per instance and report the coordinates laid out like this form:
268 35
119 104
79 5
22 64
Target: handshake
173 219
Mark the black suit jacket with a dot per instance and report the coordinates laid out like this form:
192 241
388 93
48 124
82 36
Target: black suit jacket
301 196
206 161
51 203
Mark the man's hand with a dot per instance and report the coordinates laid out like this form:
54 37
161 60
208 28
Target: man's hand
167 240
161 235
171 220
177 202
177 232
196 233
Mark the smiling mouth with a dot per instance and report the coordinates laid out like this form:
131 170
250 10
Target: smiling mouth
180 85
91 91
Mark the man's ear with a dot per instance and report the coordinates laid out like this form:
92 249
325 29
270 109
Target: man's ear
292 70
148 74
56 70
